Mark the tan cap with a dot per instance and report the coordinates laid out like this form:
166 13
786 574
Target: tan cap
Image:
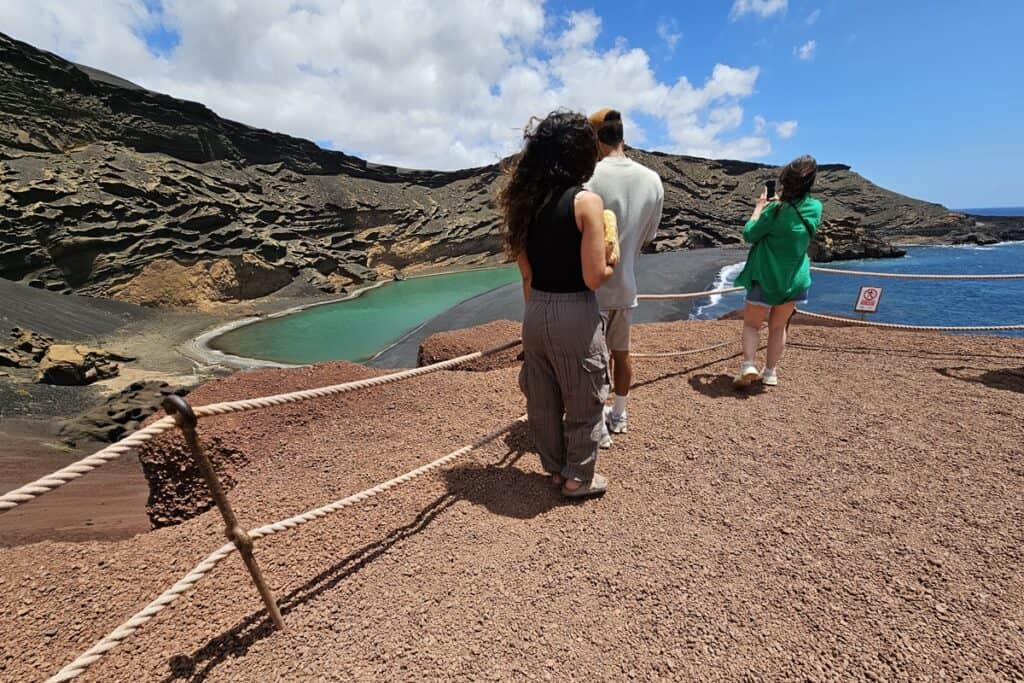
598 117
607 123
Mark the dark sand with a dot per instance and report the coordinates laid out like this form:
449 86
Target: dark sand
30 413
686 271
863 521
77 513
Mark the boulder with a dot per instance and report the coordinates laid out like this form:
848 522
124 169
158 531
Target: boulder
119 414
27 349
75 364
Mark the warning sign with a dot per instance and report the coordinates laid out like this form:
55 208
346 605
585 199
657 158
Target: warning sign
867 300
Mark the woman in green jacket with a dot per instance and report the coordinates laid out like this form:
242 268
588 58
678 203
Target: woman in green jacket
778 273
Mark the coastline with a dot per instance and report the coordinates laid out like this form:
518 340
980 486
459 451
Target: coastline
691 270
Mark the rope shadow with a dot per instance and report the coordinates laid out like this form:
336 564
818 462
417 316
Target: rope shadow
501 488
684 371
1006 379
255 627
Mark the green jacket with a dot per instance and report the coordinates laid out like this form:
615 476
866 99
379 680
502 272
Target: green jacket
778 260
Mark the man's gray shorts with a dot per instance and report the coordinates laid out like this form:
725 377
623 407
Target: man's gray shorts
617 324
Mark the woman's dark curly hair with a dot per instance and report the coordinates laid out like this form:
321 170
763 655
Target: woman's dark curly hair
558 152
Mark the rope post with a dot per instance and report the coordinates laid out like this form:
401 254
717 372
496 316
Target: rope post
186 420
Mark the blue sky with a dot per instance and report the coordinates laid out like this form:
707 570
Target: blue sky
921 97
926 98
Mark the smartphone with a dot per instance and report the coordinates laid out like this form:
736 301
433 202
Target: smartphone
769 185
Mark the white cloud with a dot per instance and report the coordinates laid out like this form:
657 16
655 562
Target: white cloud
762 8
806 51
813 17
786 129
398 82
668 31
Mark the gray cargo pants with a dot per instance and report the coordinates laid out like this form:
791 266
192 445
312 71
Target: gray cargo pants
565 379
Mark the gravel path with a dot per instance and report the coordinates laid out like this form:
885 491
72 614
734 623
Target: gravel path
862 521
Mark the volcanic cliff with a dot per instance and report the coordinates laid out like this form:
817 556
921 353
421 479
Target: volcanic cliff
110 189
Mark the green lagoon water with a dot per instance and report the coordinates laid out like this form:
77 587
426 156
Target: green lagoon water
359 328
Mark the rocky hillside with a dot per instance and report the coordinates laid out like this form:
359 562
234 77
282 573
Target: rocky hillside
108 188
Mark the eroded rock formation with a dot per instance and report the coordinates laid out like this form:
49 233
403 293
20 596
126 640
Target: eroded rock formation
108 188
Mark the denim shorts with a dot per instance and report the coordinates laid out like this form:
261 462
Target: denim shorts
756 296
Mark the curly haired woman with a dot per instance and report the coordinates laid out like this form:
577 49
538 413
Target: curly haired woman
554 229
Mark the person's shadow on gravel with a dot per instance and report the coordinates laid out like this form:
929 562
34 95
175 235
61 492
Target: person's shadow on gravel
503 488
720 386
1007 379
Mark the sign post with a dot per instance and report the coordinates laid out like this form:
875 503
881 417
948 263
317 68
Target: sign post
867 301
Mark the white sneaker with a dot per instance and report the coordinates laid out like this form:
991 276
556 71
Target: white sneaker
606 438
617 424
748 374
770 378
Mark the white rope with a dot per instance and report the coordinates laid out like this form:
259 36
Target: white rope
688 352
689 295
82 467
920 276
118 635
923 328
75 470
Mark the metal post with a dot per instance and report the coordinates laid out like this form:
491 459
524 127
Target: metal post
186 419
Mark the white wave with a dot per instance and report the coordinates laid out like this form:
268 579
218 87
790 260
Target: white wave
726 278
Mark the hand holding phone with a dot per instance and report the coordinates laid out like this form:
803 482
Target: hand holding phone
769 188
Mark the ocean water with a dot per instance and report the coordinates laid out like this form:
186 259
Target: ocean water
914 302
358 328
996 211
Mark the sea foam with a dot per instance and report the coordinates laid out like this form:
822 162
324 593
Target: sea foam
726 278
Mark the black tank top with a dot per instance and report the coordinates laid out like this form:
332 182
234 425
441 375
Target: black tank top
553 245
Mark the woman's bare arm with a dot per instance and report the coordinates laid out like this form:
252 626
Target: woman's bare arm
524 269
590 220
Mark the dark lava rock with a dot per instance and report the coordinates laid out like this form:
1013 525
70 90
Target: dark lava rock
106 188
979 238
119 414
840 240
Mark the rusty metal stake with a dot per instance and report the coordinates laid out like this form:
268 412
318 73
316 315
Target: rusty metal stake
186 420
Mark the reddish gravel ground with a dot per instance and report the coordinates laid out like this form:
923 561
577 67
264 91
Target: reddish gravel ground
861 521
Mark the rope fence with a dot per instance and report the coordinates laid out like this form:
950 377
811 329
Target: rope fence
186 583
920 328
688 352
688 295
919 276
77 469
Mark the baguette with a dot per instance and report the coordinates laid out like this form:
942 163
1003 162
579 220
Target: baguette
611 237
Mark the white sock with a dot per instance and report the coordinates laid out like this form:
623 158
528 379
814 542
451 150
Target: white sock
620 405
